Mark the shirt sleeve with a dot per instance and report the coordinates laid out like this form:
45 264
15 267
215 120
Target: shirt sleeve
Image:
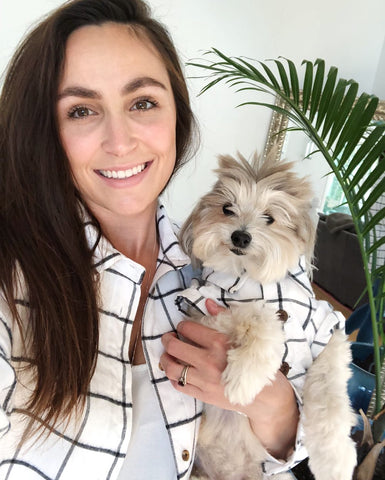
325 322
7 373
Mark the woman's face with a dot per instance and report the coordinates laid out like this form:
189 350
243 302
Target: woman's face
117 119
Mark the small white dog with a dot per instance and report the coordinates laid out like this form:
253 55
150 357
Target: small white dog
254 236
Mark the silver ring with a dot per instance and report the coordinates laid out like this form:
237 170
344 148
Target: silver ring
182 381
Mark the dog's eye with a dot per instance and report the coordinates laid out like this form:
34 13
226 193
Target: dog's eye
269 219
227 209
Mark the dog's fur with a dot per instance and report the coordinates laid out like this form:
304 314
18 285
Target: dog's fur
267 201
255 192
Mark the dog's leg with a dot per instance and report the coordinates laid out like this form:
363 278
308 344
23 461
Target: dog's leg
328 415
257 346
227 448
200 477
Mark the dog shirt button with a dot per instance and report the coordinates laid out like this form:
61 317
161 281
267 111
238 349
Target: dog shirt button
284 368
185 455
283 315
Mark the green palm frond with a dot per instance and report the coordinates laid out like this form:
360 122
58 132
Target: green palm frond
341 126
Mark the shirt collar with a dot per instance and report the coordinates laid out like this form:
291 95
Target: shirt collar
169 243
232 283
105 255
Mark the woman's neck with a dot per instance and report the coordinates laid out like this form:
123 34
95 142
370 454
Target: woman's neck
133 236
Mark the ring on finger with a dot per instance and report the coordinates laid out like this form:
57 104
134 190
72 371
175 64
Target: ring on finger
182 381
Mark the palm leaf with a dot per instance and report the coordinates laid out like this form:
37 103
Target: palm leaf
375 143
326 96
339 121
334 105
341 126
317 88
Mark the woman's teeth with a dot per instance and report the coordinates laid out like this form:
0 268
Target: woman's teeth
123 173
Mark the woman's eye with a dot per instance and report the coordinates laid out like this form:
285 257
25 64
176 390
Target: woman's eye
143 105
227 210
80 112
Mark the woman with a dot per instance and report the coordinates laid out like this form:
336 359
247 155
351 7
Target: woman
94 121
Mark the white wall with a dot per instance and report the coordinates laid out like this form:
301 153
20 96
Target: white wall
346 33
379 82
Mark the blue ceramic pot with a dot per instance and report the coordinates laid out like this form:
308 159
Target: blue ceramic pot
362 383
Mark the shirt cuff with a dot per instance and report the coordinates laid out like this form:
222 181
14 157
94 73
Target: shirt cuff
272 465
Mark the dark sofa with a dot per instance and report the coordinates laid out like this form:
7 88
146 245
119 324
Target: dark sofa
338 259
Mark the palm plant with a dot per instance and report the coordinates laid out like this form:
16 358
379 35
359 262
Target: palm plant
327 110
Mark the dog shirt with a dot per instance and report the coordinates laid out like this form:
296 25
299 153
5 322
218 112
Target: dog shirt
308 323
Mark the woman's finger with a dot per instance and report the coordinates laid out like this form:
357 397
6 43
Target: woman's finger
180 350
203 336
210 362
195 382
174 371
213 308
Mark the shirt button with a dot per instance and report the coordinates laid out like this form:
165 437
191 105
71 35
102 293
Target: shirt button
185 455
283 315
285 367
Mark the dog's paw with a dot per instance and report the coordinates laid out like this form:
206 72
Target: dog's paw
258 346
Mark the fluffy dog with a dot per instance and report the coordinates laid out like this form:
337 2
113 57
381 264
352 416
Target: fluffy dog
254 236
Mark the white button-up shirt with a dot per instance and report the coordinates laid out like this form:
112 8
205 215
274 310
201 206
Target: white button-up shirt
94 447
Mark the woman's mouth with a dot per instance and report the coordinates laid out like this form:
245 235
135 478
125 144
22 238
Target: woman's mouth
122 174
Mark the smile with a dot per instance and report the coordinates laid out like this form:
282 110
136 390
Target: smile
121 174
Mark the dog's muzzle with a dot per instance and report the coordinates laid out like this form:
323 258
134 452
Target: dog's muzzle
240 240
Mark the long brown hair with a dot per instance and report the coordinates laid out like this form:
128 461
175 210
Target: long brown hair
41 229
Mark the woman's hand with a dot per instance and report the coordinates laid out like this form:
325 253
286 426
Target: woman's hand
206 355
273 414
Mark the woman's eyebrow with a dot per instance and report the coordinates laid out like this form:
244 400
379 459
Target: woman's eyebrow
141 82
130 87
76 91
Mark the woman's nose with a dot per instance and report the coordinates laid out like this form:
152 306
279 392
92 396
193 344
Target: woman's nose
119 136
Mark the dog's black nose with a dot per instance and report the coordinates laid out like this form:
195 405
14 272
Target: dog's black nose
240 238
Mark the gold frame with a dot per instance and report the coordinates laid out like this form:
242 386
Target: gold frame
279 122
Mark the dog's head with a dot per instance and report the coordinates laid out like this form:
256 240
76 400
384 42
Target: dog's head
256 218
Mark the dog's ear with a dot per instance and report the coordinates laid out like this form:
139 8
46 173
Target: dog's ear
236 169
306 232
185 236
186 239
272 156
256 161
226 162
